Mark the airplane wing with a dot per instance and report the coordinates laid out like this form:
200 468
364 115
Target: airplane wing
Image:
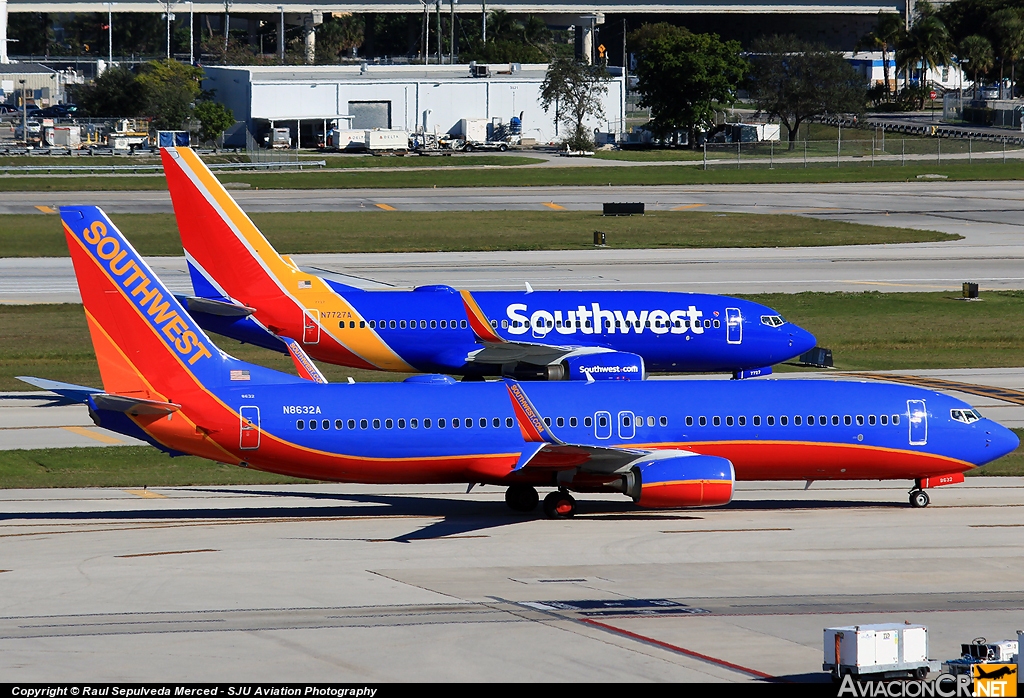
496 349
548 451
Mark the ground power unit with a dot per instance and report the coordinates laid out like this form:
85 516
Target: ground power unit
884 650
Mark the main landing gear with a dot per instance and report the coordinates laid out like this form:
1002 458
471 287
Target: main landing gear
521 498
524 498
918 498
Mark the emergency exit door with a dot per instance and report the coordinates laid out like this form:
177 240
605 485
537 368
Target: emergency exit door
311 326
249 432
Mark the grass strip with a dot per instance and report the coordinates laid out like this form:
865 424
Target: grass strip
144 466
34 235
378 178
332 161
866 331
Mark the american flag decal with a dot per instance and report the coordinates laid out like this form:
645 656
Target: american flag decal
305 284
238 375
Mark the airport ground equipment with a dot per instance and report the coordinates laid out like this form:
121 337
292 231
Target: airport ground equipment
882 651
980 651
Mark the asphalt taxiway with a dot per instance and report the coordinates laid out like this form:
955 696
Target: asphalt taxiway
428 583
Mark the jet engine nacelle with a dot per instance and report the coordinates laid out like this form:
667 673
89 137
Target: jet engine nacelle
609 365
683 480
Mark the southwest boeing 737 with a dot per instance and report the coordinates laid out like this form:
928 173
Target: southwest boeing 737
247 291
668 443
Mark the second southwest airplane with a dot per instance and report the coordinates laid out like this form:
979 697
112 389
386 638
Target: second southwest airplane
663 443
247 291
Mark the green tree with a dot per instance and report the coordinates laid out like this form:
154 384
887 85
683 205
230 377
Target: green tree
117 92
976 55
886 36
338 36
574 89
1006 27
170 89
927 44
214 119
793 81
680 75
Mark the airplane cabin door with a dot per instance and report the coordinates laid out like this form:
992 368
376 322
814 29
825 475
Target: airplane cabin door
249 432
311 326
733 326
918 422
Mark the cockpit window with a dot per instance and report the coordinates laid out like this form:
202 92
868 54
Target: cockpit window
965 416
772 320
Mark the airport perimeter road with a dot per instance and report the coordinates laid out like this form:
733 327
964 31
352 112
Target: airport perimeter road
346 583
30 419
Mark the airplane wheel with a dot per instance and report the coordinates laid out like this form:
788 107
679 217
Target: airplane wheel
559 505
521 498
919 499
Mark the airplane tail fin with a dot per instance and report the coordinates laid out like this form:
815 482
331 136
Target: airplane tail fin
147 345
228 256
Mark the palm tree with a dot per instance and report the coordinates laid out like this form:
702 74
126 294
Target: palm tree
928 43
976 54
886 35
1007 28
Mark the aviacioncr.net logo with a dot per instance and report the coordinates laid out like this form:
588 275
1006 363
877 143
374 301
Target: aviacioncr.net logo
942 686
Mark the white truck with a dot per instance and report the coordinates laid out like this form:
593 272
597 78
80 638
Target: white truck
882 650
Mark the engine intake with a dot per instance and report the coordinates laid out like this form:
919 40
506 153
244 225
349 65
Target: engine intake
683 480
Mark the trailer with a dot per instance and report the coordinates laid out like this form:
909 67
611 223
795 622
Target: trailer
346 140
381 141
881 650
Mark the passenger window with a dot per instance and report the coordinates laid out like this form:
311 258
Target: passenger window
707 323
728 421
362 324
351 424
339 424
504 324
895 419
426 423
689 421
587 421
376 424
455 423
326 424
401 424
663 421
468 422
414 423
495 422
389 424
444 324
602 421
392 324
573 422
717 324
884 419
835 420
423 324
847 420
717 421
401 324
756 420
312 424
300 424
363 424
547 421
351 324
650 421
783 421
560 421
373 324
871 420
509 421
797 421
463 324
703 421
822 420
433 324
440 423
483 422
742 421
810 420
626 420
860 420
771 420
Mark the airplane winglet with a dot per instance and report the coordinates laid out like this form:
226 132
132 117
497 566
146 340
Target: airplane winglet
478 321
303 364
531 424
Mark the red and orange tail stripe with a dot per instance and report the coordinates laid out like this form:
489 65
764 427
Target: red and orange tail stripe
478 321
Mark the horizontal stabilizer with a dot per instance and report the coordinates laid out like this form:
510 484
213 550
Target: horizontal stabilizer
212 306
133 405
78 393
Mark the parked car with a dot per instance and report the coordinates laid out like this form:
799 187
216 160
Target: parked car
57 111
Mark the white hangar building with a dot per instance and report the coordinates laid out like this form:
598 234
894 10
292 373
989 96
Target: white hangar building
312 99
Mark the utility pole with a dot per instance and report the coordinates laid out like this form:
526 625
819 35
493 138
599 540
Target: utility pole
483 22
24 113
451 46
440 55
191 36
280 35
110 32
426 32
227 26
169 16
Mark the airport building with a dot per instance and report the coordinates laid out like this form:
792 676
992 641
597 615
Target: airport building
431 99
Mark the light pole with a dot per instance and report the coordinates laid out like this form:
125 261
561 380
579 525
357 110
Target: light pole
169 16
227 27
191 36
280 35
110 32
426 32
24 113
439 52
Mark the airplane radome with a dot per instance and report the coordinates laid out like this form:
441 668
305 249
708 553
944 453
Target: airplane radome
245 290
660 443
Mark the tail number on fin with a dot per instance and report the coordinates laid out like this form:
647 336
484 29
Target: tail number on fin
121 265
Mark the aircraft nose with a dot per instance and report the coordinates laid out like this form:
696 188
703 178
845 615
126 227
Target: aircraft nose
999 441
800 340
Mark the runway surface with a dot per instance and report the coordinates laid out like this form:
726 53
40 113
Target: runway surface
353 583
41 420
989 214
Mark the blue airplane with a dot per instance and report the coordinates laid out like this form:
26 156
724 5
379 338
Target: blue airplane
667 443
245 290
